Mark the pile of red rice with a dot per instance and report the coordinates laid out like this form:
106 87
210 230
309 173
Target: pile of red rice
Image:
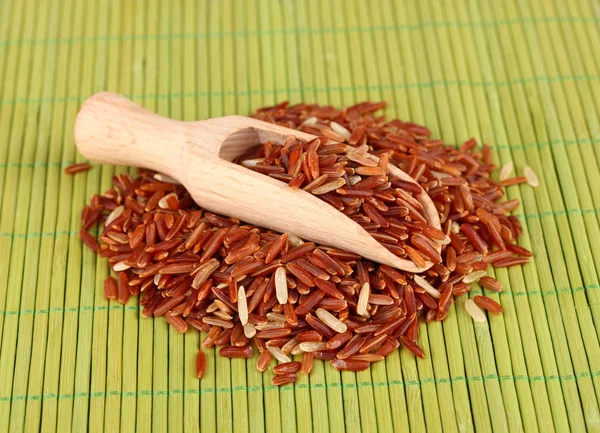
250 288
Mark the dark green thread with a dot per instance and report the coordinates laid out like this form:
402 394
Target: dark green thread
557 213
543 293
33 235
284 31
517 81
72 310
37 164
243 388
43 234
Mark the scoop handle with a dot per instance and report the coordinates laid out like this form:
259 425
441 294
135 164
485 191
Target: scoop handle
112 129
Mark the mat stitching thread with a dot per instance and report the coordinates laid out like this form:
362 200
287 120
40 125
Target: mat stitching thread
251 92
268 32
426 381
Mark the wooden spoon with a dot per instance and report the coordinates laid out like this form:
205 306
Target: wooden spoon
111 129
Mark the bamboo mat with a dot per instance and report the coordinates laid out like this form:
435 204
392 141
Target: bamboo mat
523 76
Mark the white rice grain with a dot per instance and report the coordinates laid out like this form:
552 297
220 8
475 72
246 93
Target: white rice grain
294 240
251 163
340 130
474 311
310 121
249 330
361 159
276 317
281 288
422 282
163 203
329 186
363 299
116 213
164 178
531 176
278 354
243 306
289 346
331 321
446 241
506 171
223 315
354 179
473 276
312 346
121 266
297 350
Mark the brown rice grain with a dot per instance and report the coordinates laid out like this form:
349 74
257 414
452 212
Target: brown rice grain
236 352
307 362
110 288
513 181
413 347
511 261
77 168
490 283
284 379
369 357
200 363
346 364
263 361
177 322
287 368
488 304
123 288
311 335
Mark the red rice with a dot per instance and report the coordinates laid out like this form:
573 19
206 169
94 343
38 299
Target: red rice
110 288
200 363
488 304
192 266
77 168
284 379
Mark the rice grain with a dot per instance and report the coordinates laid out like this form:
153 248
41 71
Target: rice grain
473 276
474 311
423 283
242 306
531 176
331 321
200 363
77 168
278 354
281 287
488 304
506 171
284 379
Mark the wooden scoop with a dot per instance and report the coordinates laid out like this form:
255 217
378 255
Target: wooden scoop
111 129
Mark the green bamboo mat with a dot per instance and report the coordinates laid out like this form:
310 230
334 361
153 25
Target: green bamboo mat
521 75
